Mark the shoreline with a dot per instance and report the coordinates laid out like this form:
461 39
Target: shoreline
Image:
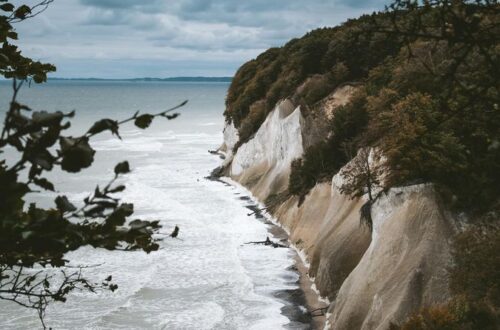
295 299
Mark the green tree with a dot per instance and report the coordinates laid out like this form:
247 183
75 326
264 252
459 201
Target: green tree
34 240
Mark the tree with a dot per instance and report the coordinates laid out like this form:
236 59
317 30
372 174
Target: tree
445 81
34 240
363 175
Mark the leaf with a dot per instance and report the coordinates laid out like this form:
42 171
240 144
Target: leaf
77 154
16 143
143 121
22 11
49 138
45 119
12 35
44 183
42 158
117 218
138 224
103 125
172 116
7 7
98 193
95 211
34 171
64 205
106 204
117 189
122 168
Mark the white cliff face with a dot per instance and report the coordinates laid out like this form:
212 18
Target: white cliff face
230 136
271 151
372 278
405 266
230 139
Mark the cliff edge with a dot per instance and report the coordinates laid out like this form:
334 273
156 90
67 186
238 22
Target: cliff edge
375 144
371 278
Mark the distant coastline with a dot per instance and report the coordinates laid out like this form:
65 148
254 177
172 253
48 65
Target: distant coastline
171 79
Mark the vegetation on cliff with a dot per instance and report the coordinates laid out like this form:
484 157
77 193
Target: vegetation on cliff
428 97
474 281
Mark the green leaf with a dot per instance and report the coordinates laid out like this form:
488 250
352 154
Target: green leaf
143 121
64 205
122 168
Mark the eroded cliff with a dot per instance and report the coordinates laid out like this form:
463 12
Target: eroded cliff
371 277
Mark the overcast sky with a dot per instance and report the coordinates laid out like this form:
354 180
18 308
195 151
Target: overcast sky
165 38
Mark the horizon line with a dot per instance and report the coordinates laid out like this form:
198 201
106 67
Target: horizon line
222 78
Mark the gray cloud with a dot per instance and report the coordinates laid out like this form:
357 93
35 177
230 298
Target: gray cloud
122 36
125 4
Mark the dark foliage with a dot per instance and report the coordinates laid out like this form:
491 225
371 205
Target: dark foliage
332 55
432 107
476 270
474 282
33 240
321 161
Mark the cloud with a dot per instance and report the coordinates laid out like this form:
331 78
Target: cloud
129 34
125 4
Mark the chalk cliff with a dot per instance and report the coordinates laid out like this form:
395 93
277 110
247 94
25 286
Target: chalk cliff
371 278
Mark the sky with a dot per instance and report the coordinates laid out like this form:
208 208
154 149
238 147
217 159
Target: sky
169 38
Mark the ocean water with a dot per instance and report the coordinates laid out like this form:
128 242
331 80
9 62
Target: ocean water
207 279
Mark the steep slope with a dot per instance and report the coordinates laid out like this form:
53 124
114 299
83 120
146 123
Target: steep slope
369 147
372 278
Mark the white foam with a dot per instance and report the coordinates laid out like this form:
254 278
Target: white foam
207 279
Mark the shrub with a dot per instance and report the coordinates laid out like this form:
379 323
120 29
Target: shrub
476 270
341 54
321 161
458 314
316 88
474 282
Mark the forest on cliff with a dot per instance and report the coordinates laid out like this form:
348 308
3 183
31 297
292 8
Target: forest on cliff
427 98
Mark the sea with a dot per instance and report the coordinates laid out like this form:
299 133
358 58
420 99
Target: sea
207 278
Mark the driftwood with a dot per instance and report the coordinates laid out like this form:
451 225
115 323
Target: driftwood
256 211
318 312
269 242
